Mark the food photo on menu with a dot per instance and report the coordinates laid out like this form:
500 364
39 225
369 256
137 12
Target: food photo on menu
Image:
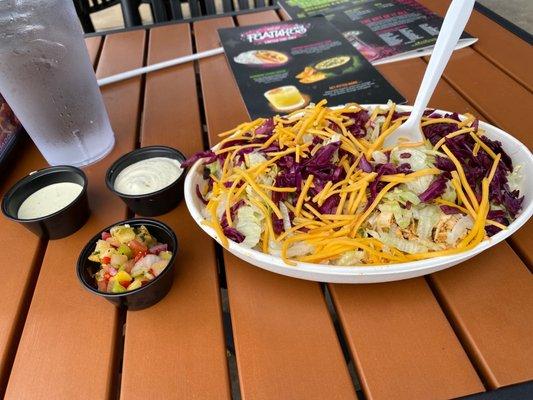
285 66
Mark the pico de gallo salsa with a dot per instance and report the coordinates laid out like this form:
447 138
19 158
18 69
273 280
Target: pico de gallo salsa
129 258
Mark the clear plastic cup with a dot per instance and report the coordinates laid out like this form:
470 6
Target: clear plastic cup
47 78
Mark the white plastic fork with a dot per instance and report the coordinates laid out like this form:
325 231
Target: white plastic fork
452 27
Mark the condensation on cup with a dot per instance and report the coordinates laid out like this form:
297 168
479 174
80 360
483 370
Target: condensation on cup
47 78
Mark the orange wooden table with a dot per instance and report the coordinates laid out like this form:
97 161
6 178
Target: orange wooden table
229 330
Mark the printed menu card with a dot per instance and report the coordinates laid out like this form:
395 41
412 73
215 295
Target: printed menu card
284 66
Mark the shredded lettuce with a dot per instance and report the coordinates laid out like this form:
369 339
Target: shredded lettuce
420 185
380 157
214 169
249 222
460 229
253 159
449 194
402 216
350 258
402 195
285 216
417 157
299 249
333 139
428 217
515 178
407 246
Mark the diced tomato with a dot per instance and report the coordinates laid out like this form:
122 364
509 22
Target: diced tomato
102 286
137 247
105 235
107 276
139 256
125 284
106 260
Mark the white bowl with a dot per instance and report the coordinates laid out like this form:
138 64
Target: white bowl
376 273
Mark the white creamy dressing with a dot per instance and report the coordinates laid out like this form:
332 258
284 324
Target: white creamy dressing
148 176
49 200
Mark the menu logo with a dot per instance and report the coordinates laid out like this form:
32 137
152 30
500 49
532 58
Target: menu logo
275 33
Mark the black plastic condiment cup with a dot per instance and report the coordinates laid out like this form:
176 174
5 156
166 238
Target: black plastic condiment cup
155 203
148 294
61 223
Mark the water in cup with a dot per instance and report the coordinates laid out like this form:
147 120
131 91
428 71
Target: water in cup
47 78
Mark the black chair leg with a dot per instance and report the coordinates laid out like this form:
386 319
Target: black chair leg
84 17
130 12
159 11
174 9
86 23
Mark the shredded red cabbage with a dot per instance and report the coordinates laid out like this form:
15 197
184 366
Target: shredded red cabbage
277 224
330 205
202 154
497 216
435 189
199 194
360 118
449 210
266 128
231 232
365 165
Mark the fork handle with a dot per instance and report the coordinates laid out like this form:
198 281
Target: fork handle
454 23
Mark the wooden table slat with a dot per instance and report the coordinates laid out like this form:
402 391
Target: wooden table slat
68 340
508 274
490 298
509 52
210 78
184 330
496 95
522 243
93 46
22 259
401 342
284 338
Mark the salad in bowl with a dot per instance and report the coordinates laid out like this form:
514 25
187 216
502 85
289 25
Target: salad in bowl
315 194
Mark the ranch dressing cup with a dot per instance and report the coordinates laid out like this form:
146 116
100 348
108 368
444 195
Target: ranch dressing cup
150 203
52 221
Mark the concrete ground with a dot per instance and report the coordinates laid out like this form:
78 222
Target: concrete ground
519 12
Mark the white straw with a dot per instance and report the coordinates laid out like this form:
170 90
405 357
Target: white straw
154 67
